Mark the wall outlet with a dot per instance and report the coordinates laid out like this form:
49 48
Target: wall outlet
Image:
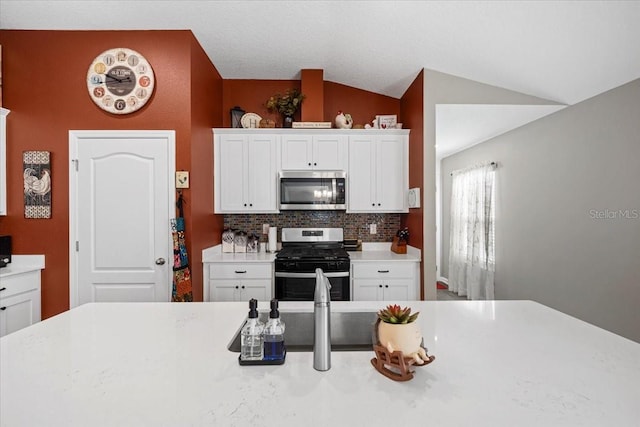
373 228
182 179
265 228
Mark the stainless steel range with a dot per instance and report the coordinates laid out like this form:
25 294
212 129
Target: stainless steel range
304 250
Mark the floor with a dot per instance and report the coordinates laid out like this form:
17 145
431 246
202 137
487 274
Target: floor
445 295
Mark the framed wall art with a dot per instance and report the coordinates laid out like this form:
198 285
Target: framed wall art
36 172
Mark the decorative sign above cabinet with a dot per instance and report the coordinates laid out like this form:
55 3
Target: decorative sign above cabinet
120 81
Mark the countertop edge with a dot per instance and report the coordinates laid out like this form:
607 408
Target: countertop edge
23 264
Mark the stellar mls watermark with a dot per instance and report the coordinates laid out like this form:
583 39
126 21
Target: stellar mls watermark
615 214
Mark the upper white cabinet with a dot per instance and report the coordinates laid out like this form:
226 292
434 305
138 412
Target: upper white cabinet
247 162
378 172
3 161
245 172
314 152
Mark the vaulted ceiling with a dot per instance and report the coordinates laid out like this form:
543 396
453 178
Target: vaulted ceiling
563 51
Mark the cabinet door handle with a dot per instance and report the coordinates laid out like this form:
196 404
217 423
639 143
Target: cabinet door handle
315 164
309 164
379 286
3 289
250 204
386 286
242 286
373 204
378 204
245 205
241 271
3 308
383 271
237 287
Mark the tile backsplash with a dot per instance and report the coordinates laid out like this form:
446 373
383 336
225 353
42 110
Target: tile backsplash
356 226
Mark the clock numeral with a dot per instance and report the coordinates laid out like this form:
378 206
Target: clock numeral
145 81
133 60
109 59
120 104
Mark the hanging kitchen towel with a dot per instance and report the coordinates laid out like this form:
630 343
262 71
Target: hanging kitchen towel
182 289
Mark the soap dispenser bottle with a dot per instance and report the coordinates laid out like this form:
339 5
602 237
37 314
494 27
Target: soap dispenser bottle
251 343
274 335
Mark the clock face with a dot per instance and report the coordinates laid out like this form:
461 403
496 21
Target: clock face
120 81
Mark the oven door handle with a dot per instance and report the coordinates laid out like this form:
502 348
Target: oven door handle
310 275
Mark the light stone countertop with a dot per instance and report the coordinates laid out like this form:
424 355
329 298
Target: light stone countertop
498 363
215 254
22 264
371 252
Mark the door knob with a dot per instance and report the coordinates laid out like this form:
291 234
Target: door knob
160 261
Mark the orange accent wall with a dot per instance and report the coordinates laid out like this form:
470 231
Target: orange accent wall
44 86
412 113
312 84
204 229
361 104
251 95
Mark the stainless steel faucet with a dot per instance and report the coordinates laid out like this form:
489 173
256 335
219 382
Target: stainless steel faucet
322 324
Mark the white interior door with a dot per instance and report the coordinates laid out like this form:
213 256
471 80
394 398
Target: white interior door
121 200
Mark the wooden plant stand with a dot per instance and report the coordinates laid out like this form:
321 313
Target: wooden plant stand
395 365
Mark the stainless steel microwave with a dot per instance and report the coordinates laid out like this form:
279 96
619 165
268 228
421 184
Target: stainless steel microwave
312 190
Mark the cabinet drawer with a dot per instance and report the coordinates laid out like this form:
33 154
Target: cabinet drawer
19 283
240 271
383 271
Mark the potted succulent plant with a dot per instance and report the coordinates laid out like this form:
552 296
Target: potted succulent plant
398 331
286 105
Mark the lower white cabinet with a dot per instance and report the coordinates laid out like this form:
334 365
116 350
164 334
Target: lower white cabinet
393 281
229 281
19 301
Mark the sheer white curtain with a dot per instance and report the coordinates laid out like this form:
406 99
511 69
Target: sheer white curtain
472 249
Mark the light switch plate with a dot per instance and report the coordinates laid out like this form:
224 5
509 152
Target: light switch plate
182 179
414 197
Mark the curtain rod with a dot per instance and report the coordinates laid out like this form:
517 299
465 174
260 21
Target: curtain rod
494 164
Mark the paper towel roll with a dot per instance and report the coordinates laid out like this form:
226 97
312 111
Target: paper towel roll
273 239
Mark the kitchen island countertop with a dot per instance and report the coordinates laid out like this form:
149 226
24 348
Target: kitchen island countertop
498 363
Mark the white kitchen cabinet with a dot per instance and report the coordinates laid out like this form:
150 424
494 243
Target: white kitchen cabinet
378 172
396 281
3 160
314 152
239 281
245 173
19 299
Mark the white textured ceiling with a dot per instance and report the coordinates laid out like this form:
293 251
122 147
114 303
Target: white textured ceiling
563 51
461 126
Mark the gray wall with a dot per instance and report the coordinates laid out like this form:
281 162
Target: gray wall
442 88
555 178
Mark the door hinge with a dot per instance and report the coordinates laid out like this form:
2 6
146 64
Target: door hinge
77 246
75 162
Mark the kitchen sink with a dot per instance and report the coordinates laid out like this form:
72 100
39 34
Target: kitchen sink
350 331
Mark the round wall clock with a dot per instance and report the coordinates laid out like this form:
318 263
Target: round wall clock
120 81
